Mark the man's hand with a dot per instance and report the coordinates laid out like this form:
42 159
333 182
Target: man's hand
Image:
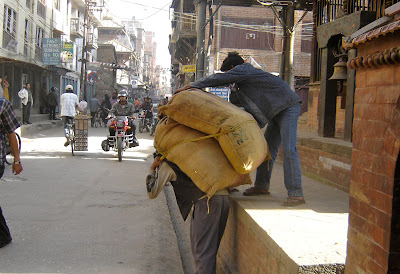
182 89
17 168
156 163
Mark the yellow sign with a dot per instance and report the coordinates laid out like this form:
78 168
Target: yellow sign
188 68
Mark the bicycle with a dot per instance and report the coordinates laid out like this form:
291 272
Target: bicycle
9 153
70 130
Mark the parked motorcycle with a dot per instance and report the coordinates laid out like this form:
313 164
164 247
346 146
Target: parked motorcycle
121 140
144 121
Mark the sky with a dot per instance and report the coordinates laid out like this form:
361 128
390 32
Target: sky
154 16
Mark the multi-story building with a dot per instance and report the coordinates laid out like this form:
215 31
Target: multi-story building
42 44
255 32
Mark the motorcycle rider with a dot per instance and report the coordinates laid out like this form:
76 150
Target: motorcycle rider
123 108
147 106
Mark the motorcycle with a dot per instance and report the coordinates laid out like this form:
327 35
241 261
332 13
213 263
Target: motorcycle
144 121
153 126
121 140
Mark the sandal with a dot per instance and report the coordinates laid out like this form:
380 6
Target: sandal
252 191
294 201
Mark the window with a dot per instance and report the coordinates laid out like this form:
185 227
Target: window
27 30
28 4
39 37
10 20
41 8
57 4
247 33
306 37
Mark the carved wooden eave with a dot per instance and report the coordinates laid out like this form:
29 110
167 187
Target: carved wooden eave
387 25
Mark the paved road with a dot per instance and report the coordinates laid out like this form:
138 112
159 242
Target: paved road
87 213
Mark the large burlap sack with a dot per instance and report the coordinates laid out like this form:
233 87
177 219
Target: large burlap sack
237 132
201 159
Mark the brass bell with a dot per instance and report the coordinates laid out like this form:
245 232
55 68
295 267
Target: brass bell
339 71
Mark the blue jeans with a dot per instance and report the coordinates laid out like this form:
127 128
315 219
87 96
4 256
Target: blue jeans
282 129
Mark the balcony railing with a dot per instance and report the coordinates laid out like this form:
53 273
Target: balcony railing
77 27
184 27
92 41
9 41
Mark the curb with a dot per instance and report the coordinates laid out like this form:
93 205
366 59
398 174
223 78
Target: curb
39 126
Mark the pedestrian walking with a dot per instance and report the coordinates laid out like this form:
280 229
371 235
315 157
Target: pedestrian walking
52 99
9 124
208 219
27 102
271 102
94 106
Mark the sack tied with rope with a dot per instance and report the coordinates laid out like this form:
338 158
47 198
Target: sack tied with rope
199 157
236 131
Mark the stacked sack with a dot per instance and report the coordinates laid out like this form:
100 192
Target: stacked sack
211 140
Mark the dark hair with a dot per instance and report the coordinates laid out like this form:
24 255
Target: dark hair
232 60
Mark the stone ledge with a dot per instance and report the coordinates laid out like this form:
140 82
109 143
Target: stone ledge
263 236
35 127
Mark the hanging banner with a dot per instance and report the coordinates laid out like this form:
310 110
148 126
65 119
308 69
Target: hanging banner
67 55
51 51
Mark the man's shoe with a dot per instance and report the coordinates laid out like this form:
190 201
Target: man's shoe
28 123
3 244
294 201
66 143
252 191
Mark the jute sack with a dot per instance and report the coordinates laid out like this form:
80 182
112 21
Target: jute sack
237 132
201 159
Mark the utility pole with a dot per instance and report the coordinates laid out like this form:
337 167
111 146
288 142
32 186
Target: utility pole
83 80
286 69
201 7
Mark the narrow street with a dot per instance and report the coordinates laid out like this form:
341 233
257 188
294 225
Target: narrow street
86 213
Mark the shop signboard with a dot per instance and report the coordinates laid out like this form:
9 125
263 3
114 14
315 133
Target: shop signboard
67 54
221 92
51 51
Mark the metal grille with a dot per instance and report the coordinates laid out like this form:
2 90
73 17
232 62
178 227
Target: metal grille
325 11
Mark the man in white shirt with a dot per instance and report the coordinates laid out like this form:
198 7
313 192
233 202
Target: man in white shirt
68 104
27 102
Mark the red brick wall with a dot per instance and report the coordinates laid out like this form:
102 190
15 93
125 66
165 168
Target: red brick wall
269 60
328 162
376 141
247 248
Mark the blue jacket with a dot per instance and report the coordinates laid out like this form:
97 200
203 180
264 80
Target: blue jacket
260 93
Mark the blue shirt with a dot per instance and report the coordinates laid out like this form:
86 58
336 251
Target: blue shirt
260 93
9 124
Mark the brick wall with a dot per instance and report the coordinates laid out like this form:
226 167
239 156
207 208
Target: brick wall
268 59
324 160
247 248
376 142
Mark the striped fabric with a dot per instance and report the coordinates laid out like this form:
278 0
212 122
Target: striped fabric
9 123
